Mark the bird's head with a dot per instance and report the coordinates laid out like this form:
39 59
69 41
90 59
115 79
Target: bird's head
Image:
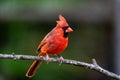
63 24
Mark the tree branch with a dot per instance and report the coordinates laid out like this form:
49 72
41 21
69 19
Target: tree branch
92 66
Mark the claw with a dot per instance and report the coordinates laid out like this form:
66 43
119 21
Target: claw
60 59
47 58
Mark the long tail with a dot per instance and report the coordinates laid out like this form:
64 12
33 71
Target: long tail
33 68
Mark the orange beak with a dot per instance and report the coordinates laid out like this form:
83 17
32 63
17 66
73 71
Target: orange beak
69 30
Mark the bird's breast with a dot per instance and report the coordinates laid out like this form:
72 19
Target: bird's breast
57 45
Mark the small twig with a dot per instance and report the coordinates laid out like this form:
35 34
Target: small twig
92 66
94 62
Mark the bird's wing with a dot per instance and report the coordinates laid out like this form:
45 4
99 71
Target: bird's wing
43 42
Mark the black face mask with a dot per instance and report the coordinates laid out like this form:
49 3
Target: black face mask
64 30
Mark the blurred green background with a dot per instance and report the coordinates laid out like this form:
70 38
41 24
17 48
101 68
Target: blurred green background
24 23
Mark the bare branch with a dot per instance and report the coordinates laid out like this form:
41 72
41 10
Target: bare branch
92 66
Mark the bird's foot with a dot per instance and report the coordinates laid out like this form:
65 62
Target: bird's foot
47 58
60 59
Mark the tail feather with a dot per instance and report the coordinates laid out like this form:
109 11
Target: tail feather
33 68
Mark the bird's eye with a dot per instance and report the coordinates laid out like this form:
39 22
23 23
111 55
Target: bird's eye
65 28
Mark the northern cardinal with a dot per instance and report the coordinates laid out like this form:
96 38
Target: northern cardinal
53 43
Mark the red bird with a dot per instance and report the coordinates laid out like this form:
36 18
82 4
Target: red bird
53 43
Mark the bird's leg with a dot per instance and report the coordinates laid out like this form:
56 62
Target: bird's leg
47 58
60 58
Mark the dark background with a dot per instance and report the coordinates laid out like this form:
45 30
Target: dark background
24 23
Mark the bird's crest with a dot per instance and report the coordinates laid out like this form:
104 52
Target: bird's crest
62 21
